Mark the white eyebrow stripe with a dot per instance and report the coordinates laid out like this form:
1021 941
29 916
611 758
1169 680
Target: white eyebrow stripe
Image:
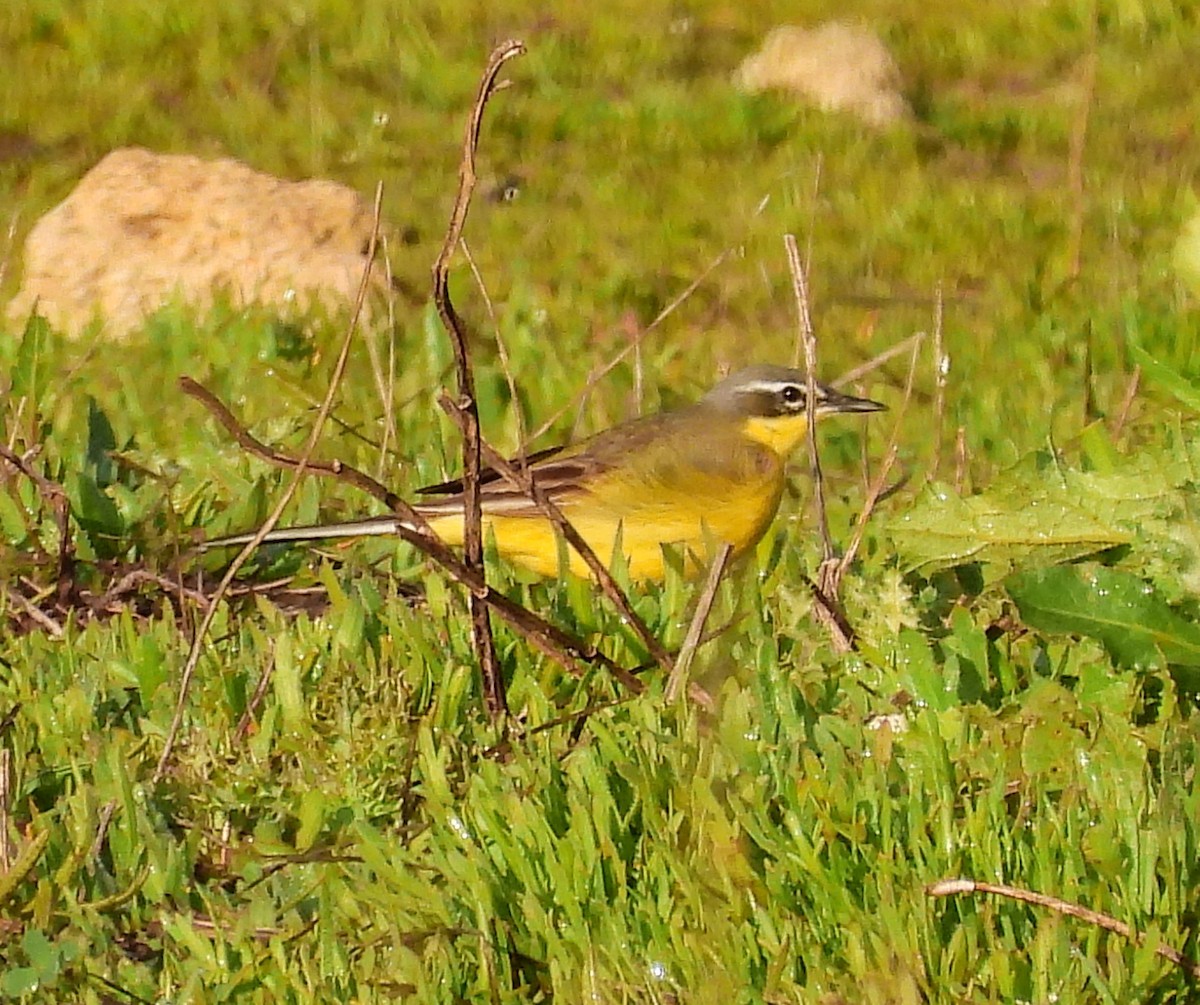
770 386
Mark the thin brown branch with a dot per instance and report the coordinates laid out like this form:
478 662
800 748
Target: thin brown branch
55 496
960 460
873 364
6 848
524 482
829 613
102 825
551 641
210 613
136 578
879 489
954 887
1131 390
262 451
941 372
34 613
485 646
808 339
691 641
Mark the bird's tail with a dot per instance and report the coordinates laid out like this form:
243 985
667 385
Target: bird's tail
372 527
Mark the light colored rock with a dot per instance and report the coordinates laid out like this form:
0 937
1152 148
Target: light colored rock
835 66
141 228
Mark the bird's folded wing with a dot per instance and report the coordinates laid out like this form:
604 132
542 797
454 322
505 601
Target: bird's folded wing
487 474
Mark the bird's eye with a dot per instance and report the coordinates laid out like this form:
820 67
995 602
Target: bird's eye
792 395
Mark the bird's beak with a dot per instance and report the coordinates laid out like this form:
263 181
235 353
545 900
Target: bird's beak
835 401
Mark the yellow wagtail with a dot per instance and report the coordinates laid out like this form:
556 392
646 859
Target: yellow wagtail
709 473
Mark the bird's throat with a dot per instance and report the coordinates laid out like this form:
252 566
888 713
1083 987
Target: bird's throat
781 433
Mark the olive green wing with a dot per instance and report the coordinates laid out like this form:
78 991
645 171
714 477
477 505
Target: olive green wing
561 471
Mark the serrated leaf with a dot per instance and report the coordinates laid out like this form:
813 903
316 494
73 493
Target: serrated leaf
1120 610
999 530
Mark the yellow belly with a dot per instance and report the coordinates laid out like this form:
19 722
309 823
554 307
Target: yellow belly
739 518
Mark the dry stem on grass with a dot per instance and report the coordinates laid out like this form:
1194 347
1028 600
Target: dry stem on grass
953 887
467 409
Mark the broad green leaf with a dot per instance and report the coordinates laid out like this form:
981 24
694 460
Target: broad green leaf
12 519
30 358
1120 610
999 530
19 981
289 689
311 817
97 514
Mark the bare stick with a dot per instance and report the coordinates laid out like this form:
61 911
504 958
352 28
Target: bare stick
691 641
485 646
210 613
953 887
105 821
524 482
809 340
251 445
873 364
548 639
1131 391
34 613
960 460
56 497
941 370
6 849
798 349
877 486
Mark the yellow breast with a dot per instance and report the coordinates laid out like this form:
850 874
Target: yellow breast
694 511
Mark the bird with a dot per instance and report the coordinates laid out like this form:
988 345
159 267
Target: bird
697 477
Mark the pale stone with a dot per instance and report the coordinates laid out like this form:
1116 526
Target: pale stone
142 228
835 66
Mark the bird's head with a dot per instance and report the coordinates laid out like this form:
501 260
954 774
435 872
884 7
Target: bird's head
772 402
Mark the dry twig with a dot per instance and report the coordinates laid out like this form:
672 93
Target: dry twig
808 339
551 641
828 612
877 490
524 482
941 372
691 641
55 497
1131 390
485 646
952 887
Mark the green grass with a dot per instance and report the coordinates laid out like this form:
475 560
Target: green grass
1022 708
